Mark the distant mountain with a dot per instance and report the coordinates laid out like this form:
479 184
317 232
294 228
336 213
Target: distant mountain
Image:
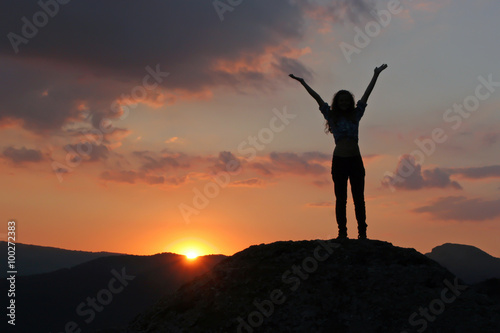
467 262
34 259
102 293
325 286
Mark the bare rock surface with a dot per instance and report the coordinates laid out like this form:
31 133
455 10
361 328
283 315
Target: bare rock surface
326 286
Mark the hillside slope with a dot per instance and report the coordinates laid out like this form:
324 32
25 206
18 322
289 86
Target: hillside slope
102 293
35 259
325 286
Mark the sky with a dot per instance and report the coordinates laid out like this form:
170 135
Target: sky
172 126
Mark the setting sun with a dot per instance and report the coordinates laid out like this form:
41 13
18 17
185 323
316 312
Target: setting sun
191 247
191 254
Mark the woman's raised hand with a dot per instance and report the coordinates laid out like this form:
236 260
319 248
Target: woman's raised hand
296 78
377 70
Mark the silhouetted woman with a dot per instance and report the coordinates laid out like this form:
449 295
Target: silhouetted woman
342 120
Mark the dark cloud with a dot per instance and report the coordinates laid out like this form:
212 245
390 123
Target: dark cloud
409 176
459 208
316 156
339 11
281 163
133 177
226 162
296 164
87 151
261 169
289 65
166 161
252 182
187 37
122 176
153 180
477 172
490 138
439 178
45 97
90 53
162 163
175 169
23 154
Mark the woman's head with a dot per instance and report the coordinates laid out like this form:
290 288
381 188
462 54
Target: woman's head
342 106
343 101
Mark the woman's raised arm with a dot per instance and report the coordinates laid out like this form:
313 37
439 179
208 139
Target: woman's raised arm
369 89
309 90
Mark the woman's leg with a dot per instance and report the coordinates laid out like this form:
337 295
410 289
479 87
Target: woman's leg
357 179
339 176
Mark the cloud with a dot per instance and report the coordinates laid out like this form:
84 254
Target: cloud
88 151
492 171
22 155
49 99
252 182
438 178
162 168
177 168
490 138
459 208
132 177
86 60
409 176
261 169
226 162
298 164
279 163
122 176
120 41
165 160
339 11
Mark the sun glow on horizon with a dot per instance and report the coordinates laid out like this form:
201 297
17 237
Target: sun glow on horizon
191 247
191 254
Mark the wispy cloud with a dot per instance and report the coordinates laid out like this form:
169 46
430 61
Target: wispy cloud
22 155
252 182
409 176
489 171
460 208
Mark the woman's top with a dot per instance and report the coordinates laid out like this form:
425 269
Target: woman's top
345 132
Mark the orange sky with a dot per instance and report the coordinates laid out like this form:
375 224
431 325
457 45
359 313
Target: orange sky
121 155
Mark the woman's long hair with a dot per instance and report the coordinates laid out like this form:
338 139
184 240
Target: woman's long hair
335 113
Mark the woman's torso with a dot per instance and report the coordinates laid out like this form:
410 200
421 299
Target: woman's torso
347 147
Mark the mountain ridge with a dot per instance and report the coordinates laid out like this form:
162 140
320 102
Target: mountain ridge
468 262
37 259
101 293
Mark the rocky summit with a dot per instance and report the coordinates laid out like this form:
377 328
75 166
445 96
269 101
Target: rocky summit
326 286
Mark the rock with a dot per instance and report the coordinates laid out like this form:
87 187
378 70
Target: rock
325 286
